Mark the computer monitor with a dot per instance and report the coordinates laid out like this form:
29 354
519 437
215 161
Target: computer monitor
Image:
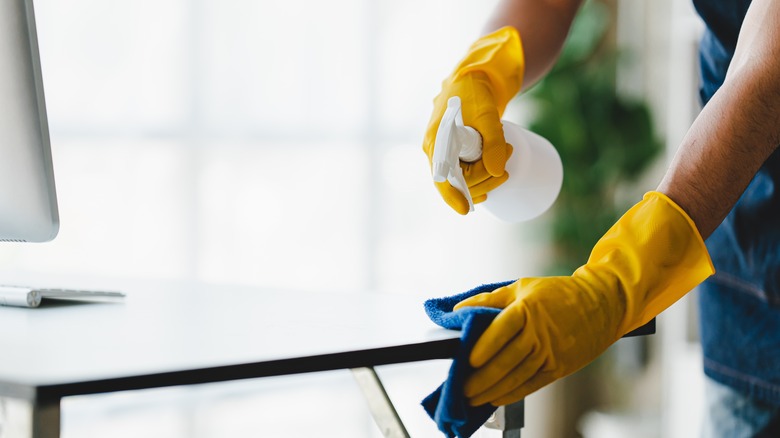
28 201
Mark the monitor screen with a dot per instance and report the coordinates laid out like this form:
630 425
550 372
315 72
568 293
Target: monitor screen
28 203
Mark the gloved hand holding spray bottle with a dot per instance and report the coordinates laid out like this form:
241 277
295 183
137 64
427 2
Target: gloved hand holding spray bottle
534 168
516 173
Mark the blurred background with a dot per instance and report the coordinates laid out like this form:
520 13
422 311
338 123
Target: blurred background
278 144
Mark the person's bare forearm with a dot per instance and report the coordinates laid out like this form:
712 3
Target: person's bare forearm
738 129
543 26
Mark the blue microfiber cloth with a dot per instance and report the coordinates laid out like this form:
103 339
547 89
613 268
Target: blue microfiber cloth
447 405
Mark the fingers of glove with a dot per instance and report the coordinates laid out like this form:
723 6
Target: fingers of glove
498 299
493 150
506 371
499 333
517 378
537 382
485 187
475 173
477 190
482 114
480 190
453 197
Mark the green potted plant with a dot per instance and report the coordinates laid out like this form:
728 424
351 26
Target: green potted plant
604 139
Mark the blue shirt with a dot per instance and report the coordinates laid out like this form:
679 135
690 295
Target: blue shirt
740 304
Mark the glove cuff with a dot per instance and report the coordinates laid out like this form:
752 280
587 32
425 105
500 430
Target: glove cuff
656 254
684 214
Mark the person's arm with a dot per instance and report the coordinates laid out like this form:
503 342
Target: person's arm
737 130
543 26
552 326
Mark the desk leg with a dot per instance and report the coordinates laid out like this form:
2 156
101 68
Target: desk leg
382 408
509 419
26 419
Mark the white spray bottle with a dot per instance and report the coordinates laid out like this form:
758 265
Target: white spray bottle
535 169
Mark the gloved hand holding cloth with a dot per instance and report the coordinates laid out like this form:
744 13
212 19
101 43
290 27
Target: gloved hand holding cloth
552 326
486 79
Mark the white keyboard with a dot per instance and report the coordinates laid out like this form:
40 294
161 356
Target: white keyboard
22 296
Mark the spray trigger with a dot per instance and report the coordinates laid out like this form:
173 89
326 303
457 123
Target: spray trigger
455 142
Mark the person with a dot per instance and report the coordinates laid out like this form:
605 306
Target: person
722 185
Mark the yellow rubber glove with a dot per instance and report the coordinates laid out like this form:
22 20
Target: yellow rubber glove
486 79
553 326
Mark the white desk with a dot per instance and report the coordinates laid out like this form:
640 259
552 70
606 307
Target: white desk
166 335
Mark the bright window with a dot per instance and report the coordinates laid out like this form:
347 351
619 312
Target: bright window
269 143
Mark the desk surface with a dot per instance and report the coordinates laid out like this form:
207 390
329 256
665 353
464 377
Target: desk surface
163 335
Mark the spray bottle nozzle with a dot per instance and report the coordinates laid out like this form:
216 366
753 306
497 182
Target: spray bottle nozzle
455 142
